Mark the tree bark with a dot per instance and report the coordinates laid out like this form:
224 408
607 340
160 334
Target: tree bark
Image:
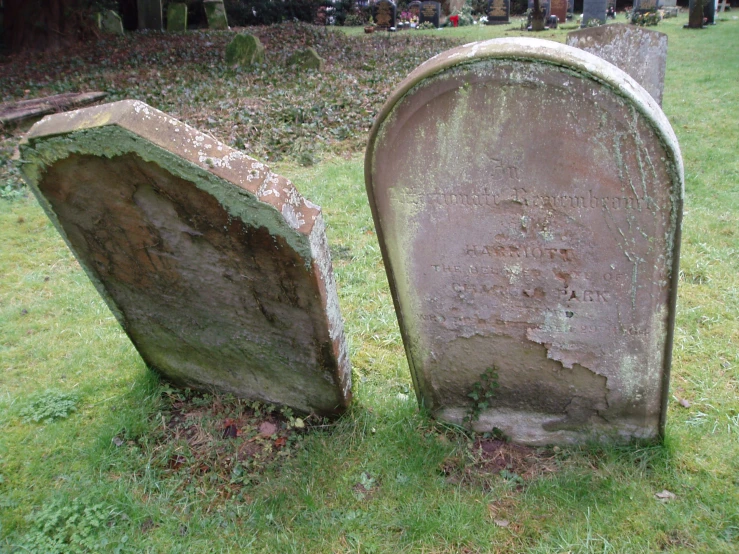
537 17
45 24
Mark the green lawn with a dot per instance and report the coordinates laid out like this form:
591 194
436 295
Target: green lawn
112 474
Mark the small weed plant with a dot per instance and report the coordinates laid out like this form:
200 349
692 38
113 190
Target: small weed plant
483 391
49 405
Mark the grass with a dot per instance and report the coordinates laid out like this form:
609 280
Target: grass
384 478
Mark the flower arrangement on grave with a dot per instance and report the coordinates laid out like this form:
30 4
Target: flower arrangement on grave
647 19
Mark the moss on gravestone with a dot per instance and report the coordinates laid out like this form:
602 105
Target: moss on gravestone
306 59
177 17
245 50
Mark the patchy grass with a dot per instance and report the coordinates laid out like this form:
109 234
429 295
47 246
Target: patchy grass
139 467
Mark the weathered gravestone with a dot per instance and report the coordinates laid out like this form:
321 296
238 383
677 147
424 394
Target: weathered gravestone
217 269
245 50
526 246
498 12
176 17
639 52
384 13
215 13
110 23
559 8
150 14
307 58
431 13
593 11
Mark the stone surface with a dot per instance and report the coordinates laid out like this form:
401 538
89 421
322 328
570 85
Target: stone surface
669 3
384 13
215 12
559 8
217 269
150 14
307 58
498 12
640 52
176 17
527 196
244 50
110 23
593 9
431 13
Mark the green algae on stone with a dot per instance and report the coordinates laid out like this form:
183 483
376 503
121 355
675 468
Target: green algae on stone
244 50
177 17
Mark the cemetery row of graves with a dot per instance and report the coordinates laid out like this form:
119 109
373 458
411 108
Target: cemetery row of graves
524 200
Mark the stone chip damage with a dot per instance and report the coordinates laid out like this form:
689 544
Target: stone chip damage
217 269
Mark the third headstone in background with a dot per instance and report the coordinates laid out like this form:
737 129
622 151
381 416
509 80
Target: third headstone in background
527 196
593 10
498 12
559 8
384 14
640 52
430 12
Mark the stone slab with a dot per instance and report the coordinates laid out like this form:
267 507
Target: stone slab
640 52
217 269
528 196
594 9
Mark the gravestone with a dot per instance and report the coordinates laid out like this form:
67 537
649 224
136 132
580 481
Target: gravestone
593 10
244 50
430 12
646 6
110 23
709 11
498 12
176 17
150 14
639 52
307 58
384 14
215 13
559 8
570 8
217 269
414 8
527 196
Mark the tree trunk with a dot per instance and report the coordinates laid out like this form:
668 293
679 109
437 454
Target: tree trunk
537 17
45 24
695 18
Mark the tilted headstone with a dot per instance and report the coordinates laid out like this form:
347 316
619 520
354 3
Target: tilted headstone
531 243
150 14
431 13
640 52
110 23
384 14
217 269
307 58
176 17
559 8
499 12
245 50
593 10
215 12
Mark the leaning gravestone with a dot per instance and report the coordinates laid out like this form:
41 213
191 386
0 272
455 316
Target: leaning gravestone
244 50
559 8
431 13
529 242
176 17
110 23
639 52
215 13
217 269
593 10
498 12
384 14
150 14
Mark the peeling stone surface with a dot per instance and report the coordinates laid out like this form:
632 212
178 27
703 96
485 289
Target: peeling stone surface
640 52
528 198
217 269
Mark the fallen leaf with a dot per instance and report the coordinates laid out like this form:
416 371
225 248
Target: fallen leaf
282 441
267 429
230 432
298 423
502 522
684 403
666 495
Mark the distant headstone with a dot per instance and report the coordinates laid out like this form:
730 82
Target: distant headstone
430 12
215 12
570 8
639 52
177 17
384 14
645 6
217 269
709 10
150 14
499 12
593 10
244 50
415 9
559 8
110 23
529 245
307 58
